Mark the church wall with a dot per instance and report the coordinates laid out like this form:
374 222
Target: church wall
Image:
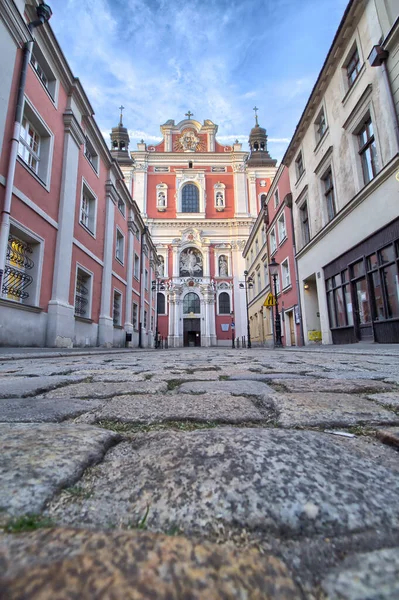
153 180
227 180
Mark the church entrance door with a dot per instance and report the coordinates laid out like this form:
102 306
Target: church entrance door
192 332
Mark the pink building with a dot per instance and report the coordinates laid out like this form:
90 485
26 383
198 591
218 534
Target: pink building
75 255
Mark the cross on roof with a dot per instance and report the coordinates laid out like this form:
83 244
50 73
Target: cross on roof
255 108
121 109
189 114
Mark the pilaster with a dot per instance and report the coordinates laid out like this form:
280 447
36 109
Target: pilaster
105 323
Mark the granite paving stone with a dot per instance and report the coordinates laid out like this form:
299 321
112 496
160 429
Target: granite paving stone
71 564
42 410
329 410
36 460
365 576
290 483
238 388
387 399
389 435
107 390
181 407
17 387
348 386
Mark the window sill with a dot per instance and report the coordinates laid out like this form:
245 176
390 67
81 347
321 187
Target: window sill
283 241
13 304
83 319
34 175
136 278
286 289
349 91
300 178
44 86
199 215
118 326
119 261
92 166
321 140
93 235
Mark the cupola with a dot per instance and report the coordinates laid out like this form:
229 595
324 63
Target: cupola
259 156
120 142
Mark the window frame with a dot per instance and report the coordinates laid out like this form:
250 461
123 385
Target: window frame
136 261
190 185
330 205
286 275
273 236
224 312
93 203
91 154
41 67
135 316
299 165
320 132
282 219
365 147
89 275
119 237
306 235
119 320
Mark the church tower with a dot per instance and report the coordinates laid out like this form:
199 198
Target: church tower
120 143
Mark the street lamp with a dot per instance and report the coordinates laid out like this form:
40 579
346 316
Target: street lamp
232 330
157 285
273 269
249 283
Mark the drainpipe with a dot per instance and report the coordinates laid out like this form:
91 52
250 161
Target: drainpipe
377 58
44 14
288 202
142 290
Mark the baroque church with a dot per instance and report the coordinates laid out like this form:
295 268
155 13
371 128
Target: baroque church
199 199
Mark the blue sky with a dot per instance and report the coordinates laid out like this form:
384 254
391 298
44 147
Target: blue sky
218 58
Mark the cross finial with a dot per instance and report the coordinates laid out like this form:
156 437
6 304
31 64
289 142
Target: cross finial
256 114
120 120
189 114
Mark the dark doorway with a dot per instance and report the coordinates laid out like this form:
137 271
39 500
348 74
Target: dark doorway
192 332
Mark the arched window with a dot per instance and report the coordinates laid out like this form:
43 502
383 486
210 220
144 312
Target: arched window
224 303
263 200
160 303
190 198
191 303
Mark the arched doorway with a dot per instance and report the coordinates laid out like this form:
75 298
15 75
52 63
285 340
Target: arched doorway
192 324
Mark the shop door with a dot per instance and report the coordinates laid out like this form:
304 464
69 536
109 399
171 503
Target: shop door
291 327
192 332
363 310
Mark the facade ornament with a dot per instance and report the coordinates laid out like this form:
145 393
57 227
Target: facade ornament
223 266
141 167
190 263
238 167
189 142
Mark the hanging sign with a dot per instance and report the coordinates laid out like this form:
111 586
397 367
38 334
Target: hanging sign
270 300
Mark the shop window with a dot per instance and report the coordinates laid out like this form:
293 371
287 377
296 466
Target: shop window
339 301
383 269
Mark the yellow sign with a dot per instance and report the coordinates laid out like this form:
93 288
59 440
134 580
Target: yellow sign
270 300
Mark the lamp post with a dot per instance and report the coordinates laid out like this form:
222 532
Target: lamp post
249 283
273 269
157 285
232 330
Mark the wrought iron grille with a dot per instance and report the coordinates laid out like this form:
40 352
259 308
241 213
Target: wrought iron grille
116 312
81 301
15 278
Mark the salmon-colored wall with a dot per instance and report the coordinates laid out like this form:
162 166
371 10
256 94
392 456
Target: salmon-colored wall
78 256
211 212
223 335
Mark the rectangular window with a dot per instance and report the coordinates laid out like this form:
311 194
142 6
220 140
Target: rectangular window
328 189
305 224
117 309
29 145
299 166
88 209
43 71
20 278
120 247
278 283
263 236
353 67
273 241
276 199
282 232
285 270
266 273
35 144
146 279
136 268
121 207
259 282
145 319
83 294
135 316
91 154
320 125
368 151
256 247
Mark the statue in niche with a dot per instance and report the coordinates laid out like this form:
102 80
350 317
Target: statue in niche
219 199
191 263
161 267
161 199
223 266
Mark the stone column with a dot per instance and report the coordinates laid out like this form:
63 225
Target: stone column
140 185
206 255
240 307
105 322
175 266
253 209
61 319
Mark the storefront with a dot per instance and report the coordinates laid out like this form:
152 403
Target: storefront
362 288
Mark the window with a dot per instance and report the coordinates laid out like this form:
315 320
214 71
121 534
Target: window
161 304
43 71
136 267
190 198
152 323
252 255
383 269
282 232
305 224
20 271
339 300
278 283
35 144
276 199
191 303
117 308
329 196
121 206
256 247
91 154
285 271
263 236
266 273
119 247
320 125
352 67
368 151
146 279
273 241
258 281
82 294
88 211
135 316
299 166
263 200
145 319
224 303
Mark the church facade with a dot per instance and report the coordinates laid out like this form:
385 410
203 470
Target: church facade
199 199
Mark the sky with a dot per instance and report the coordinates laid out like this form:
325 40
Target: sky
216 58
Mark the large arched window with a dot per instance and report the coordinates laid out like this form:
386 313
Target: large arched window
190 198
224 303
191 303
160 303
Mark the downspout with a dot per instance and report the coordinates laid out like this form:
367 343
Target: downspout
288 202
44 13
142 292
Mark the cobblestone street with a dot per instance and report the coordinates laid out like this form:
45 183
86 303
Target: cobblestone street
200 473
